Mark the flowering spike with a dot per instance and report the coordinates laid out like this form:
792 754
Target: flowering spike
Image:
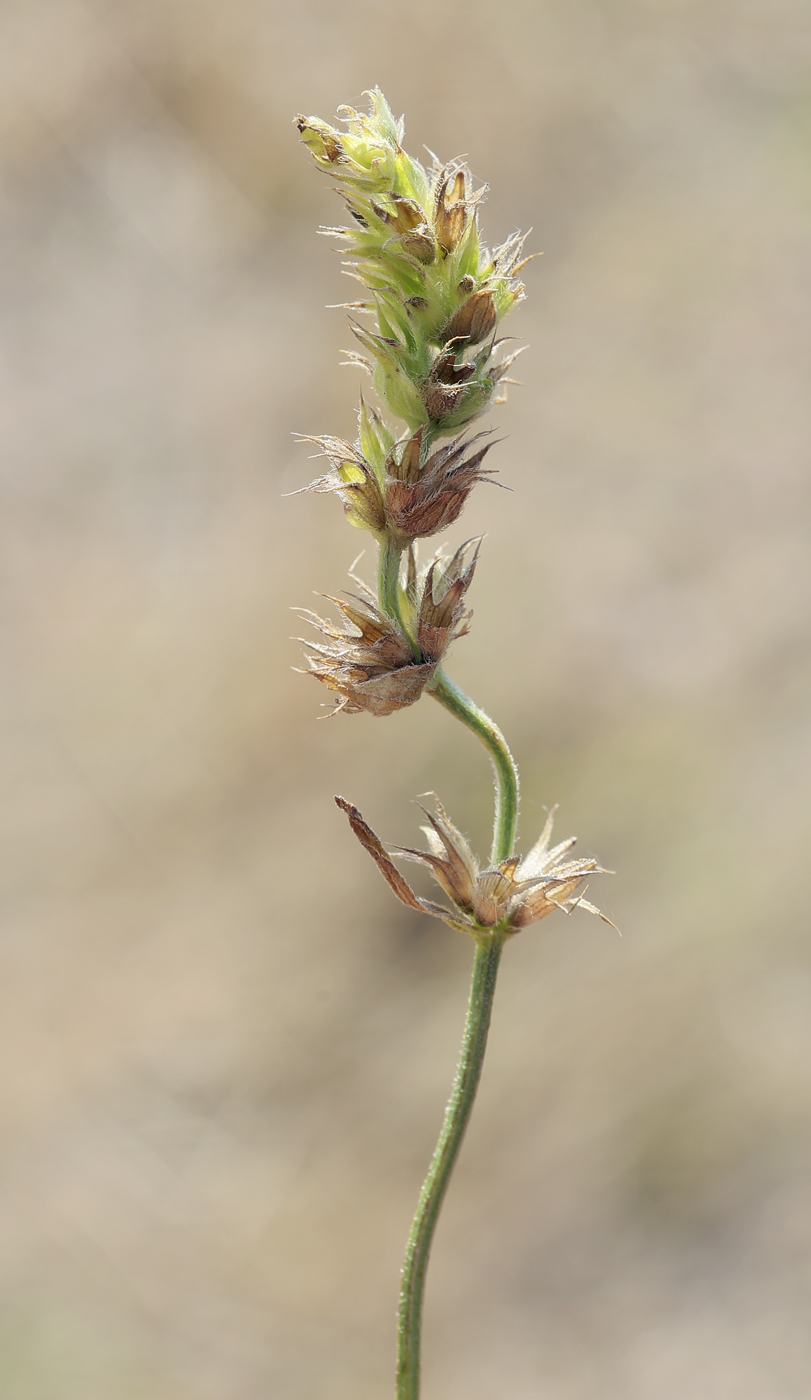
413 241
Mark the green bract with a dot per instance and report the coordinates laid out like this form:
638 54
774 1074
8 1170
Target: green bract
436 293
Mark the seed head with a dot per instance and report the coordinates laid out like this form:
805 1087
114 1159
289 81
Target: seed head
497 900
369 661
423 499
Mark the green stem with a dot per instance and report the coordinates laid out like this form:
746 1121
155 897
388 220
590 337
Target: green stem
506 773
457 1113
474 1043
388 587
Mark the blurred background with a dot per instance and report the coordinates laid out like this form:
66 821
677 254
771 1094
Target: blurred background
225 1048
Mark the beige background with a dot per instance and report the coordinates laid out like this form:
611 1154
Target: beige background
225 1049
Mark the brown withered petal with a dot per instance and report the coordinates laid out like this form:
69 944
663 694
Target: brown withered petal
457 189
449 838
407 213
450 225
474 320
447 583
424 504
493 890
450 859
547 898
441 870
403 461
389 871
451 209
445 370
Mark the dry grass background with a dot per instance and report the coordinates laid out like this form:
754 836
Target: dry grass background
225 1049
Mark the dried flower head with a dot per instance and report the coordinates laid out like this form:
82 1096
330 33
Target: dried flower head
499 899
425 494
369 661
397 487
439 599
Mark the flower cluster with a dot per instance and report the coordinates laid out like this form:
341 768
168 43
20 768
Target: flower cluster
500 899
371 663
437 296
398 488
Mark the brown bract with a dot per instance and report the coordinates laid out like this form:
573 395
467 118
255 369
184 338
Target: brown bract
423 499
497 900
369 663
417 499
442 617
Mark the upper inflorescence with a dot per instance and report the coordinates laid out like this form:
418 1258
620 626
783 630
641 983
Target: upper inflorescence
437 295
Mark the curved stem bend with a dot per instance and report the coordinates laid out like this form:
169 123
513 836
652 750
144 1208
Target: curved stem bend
482 991
506 772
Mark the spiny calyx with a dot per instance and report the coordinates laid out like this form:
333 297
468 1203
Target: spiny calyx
370 661
404 489
500 899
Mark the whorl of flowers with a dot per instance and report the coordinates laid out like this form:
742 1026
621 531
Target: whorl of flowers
372 664
500 898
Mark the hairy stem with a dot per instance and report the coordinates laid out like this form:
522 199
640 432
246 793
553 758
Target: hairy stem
457 1113
471 1058
506 772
